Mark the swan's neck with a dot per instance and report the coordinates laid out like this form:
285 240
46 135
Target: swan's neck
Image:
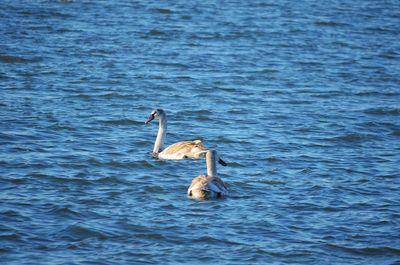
162 130
211 165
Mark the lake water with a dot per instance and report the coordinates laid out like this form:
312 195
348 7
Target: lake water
301 98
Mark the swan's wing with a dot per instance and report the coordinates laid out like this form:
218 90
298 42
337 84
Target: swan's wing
217 185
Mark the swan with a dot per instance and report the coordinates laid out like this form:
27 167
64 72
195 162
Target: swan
179 150
208 186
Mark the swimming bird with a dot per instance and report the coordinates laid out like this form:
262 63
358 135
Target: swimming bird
208 186
179 150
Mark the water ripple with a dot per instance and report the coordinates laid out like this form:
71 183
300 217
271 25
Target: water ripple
383 111
369 251
13 59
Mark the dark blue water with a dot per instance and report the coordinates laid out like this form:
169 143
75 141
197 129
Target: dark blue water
301 98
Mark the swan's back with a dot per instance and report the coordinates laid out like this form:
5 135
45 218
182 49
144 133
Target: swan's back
184 149
207 187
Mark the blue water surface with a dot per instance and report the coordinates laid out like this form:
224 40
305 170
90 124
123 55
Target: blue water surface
301 98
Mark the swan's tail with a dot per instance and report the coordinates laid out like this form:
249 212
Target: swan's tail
222 162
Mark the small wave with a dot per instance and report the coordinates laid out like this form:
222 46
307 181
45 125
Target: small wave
107 180
396 132
4 249
13 59
44 14
82 96
64 211
383 111
269 71
272 182
202 118
186 17
7 136
169 207
14 215
225 140
153 189
331 209
113 95
387 176
172 65
16 181
378 124
327 24
330 94
156 33
122 122
298 102
9 236
64 1
150 236
370 251
195 112
163 10
9 213
353 137
286 254
184 77
81 232
390 55
242 185
315 208
272 159
229 89
78 181
65 30
120 164
209 239
237 111
378 29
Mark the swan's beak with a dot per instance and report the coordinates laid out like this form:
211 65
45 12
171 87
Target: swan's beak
151 117
222 162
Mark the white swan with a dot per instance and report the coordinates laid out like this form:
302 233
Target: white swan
208 186
179 150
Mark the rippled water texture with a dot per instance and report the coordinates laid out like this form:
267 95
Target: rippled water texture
301 98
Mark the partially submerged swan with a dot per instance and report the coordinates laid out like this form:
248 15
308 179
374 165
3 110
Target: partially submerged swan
179 150
208 186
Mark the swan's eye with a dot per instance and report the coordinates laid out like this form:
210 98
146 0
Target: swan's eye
190 193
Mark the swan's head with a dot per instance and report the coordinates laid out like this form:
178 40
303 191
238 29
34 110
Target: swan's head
155 114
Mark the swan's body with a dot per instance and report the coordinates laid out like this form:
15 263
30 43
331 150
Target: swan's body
179 150
208 186
205 187
184 149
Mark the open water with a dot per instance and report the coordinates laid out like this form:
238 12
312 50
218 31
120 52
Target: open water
301 98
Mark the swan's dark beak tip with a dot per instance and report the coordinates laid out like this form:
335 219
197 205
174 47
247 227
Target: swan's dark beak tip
222 162
151 117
